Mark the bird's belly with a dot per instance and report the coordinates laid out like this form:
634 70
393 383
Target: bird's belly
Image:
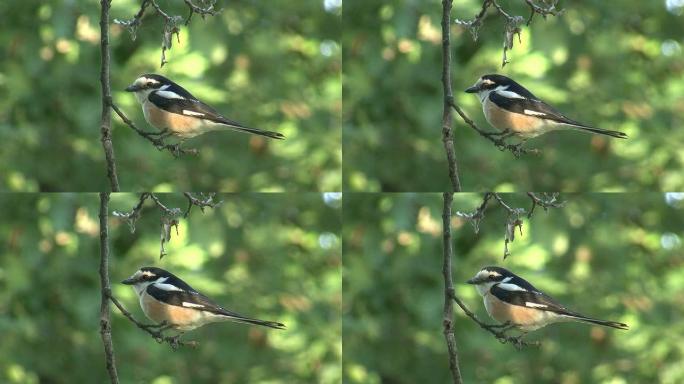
522 125
182 126
527 319
183 319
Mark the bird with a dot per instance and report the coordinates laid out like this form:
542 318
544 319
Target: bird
172 303
174 111
510 299
515 111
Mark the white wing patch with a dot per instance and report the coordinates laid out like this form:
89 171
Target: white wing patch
511 287
534 113
192 305
167 287
163 87
509 94
535 305
169 95
192 113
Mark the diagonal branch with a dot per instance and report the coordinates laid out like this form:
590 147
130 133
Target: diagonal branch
157 334
155 137
498 330
495 137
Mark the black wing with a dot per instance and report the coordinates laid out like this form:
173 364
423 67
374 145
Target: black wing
538 299
534 107
193 105
193 297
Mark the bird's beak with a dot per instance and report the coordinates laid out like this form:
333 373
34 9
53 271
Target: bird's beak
129 281
474 89
473 280
132 88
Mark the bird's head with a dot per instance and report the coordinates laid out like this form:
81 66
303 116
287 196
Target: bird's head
146 276
488 276
144 84
489 83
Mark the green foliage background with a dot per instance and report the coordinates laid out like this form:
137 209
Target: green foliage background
273 257
614 64
269 64
610 256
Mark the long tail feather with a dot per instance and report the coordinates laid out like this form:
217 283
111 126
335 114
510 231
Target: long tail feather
247 320
607 132
256 131
605 323
225 123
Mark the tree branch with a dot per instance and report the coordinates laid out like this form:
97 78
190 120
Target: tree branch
515 215
105 318
106 119
448 315
511 23
170 217
173 341
447 118
495 137
202 202
498 330
171 22
155 137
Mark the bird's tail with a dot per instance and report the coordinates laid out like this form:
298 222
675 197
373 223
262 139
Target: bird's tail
257 131
607 132
605 323
248 320
224 123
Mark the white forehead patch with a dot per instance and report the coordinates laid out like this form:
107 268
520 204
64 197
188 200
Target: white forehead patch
142 80
487 81
490 273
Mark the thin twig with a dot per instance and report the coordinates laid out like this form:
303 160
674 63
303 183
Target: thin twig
105 315
447 118
170 217
514 219
202 202
448 315
173 341
154 138
171 22
133 24
106 119
208 10
546 202
511 22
